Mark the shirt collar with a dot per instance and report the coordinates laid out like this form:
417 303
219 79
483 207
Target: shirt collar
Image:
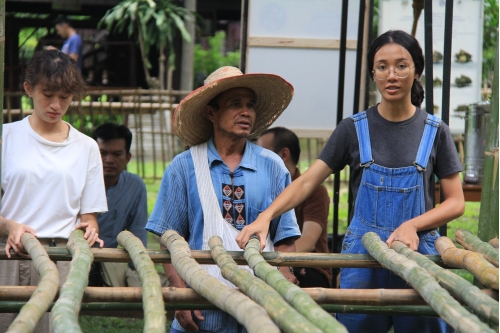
249 160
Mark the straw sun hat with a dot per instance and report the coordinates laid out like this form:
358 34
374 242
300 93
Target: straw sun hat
272 96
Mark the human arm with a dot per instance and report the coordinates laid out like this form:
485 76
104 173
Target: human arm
291 196
452 207
311 231
88 223
287 245
14 231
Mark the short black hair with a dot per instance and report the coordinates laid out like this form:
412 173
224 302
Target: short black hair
284 138
61 19
111 131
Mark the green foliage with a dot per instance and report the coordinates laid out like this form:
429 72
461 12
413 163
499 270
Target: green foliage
490 37
154 23
207 61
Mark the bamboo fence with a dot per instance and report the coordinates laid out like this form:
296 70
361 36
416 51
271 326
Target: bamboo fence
42 296
155 319
472 243
284 315
65 311
437 297
475 263
225 298
485 306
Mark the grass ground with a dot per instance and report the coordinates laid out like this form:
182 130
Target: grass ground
128 325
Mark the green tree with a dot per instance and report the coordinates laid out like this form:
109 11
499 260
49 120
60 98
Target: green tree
490 38
207 61
153 23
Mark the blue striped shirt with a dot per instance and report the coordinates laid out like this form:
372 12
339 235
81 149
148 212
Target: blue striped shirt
242 194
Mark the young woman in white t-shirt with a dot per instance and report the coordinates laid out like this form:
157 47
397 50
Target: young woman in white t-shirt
52 178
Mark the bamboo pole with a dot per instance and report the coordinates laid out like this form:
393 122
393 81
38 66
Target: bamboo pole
484 306
247 312
472 243
293 259
297 297
111 307
485 272
172 295
43 295
436 296
494 242
65 311
155 319
285 316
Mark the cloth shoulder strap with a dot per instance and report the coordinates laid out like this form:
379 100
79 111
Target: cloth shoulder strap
432 124
365 148
214 224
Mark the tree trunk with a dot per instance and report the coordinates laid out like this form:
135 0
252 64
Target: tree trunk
437 297
152 82
45 292
485 272
65 311
485 306
286 317
161 66
472 243
246 311
297 297
155 319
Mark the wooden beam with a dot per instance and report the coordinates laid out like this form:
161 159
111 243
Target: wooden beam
303 43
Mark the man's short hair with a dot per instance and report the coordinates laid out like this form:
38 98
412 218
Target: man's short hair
61 19
111 131
284 138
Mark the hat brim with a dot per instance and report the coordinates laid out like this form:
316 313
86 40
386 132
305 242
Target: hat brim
272 93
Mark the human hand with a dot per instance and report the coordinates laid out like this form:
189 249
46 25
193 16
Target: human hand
14 231
287 273
91 234
259 227
406 233
185 318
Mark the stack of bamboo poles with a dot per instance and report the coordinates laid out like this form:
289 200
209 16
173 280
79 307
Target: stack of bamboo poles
435 284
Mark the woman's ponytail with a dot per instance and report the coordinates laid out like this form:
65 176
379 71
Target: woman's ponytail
417 93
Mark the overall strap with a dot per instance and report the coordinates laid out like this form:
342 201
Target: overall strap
432 124
365 150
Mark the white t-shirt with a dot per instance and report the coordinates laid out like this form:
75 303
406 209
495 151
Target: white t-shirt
47 185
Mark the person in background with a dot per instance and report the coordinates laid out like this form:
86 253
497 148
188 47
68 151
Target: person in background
312 214
232 178
394 150
52 178
127 204
73 44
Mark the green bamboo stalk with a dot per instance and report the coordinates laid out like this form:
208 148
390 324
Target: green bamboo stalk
436 296
155 319
475 263
472 243
104 307
485 306
65 311
293 294
285 316
44 294
247 312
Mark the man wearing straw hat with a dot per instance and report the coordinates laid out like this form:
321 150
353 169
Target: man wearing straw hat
223 181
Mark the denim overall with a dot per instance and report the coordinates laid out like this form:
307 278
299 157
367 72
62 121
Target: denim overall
386 198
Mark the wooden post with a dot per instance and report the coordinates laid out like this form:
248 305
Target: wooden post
488 215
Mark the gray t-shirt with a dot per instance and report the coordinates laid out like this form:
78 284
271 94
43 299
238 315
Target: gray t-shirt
127 210
394 145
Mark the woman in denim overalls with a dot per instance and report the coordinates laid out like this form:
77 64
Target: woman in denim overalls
394 151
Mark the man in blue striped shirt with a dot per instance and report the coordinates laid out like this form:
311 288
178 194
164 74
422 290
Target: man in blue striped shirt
219 118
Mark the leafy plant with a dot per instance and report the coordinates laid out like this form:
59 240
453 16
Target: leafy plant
490 38
207 61
153 23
